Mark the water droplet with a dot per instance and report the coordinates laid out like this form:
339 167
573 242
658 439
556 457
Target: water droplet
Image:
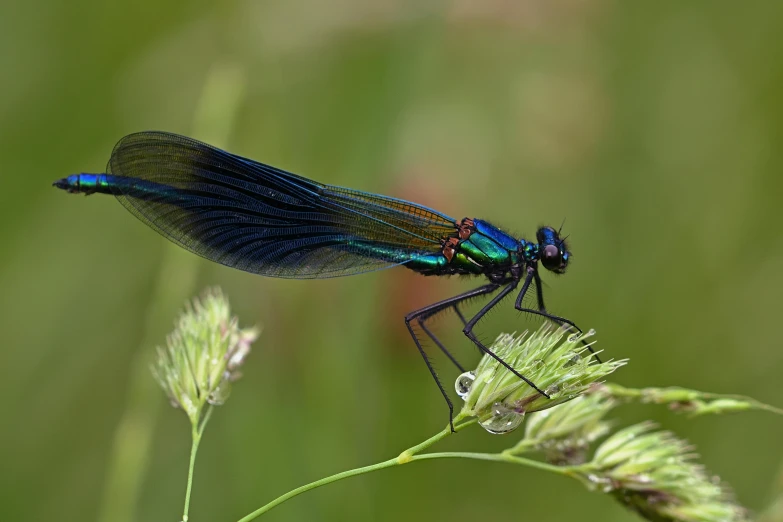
602 484
464 383
565 328
552 389
574 338
503 420
573 360
220 394
643 479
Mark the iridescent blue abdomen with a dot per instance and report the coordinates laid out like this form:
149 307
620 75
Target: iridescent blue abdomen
84 184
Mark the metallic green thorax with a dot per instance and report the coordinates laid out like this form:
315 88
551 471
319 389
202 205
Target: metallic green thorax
485 250
476 247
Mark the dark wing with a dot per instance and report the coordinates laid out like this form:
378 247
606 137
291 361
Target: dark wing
261 219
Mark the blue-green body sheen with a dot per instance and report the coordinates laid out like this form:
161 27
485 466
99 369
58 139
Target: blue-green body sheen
429 264
89 183
488 250
108 184
489 246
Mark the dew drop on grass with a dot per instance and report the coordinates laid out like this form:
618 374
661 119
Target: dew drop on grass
503 420
602 484
220 394
464 383
573 360
552 389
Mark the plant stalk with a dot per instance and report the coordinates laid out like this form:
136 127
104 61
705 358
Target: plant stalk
405 457
197 432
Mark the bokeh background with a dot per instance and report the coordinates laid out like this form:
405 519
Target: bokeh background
653 129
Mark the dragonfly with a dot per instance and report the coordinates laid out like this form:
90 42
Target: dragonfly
264 220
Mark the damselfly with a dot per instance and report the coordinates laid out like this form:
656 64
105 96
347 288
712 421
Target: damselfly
257 218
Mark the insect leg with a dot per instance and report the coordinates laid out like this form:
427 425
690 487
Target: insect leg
468 331
451 303
542 309
429 311
459 314
421 321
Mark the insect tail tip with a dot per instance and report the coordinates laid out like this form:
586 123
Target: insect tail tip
69 184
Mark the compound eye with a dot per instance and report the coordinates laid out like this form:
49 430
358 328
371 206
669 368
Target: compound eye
551 257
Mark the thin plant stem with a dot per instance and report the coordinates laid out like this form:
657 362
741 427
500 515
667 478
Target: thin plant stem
496 457
318 483
216 111
578 472
197 432
676 394
405 457
129 458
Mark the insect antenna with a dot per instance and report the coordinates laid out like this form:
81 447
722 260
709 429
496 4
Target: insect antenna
561 227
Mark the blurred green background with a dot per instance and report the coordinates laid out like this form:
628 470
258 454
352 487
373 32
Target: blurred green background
653 129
